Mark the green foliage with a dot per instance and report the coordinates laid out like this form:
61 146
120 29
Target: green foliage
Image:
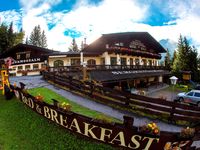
168 60
103 118
23 129
38 38
3 37
19 37
186 59
74 46
9 38
43 40
48 95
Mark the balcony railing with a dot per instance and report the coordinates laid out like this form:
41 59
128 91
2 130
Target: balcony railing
106 67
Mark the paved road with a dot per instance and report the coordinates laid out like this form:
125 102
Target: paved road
36 81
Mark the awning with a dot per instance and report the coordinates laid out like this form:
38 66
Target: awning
111 76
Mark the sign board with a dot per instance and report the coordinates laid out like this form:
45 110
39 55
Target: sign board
118 135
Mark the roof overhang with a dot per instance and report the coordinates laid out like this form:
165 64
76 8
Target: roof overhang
57 56
121 75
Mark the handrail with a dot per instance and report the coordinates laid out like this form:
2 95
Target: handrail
106 67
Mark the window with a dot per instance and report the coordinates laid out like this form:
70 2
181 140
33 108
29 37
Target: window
144 62
150 62
190 93
27 67
18 56
137 61
113 60
35 66
131 61
91 62
197 94
58 63
27 55
102 61
119 44
20 67
75 61
123 61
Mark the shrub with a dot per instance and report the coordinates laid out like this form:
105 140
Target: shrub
39 97
187 132
150 128
65 106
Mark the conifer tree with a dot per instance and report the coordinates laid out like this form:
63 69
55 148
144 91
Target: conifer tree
3 38
74 46
168 60
19 37
186 59
38 38
9 38
43 40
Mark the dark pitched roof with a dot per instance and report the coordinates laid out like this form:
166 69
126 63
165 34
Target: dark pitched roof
99 46
25 46
69 53
72 54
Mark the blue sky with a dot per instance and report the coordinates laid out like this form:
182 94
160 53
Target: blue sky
63 20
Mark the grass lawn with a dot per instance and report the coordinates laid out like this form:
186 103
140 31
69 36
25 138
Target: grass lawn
48 95
23 129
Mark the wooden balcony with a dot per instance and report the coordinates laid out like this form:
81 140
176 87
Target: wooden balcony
105 67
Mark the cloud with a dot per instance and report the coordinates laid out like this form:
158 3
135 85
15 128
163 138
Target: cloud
29 4
12 16
84 20
106 17
90 20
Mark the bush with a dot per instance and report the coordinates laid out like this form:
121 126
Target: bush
65 106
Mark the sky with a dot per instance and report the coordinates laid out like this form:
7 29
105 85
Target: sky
63 20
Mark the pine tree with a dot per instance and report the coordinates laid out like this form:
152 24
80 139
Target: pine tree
74 46
168 60
174 56
35 36
19 37
186 59
193 64
27 41
11 36
3 38
43 40
38 38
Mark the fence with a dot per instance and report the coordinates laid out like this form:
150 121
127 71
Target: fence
155 106
121 135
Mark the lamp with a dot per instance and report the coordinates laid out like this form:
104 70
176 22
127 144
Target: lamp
173 80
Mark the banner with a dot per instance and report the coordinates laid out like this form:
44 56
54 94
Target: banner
120 135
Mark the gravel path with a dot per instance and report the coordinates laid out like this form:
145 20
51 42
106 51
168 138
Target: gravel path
36 81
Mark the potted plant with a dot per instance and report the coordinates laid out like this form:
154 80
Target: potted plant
39 98
150 129
66 107
187 133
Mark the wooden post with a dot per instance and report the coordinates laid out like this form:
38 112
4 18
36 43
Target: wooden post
84 69
171 119
127 100
128 121
55 103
